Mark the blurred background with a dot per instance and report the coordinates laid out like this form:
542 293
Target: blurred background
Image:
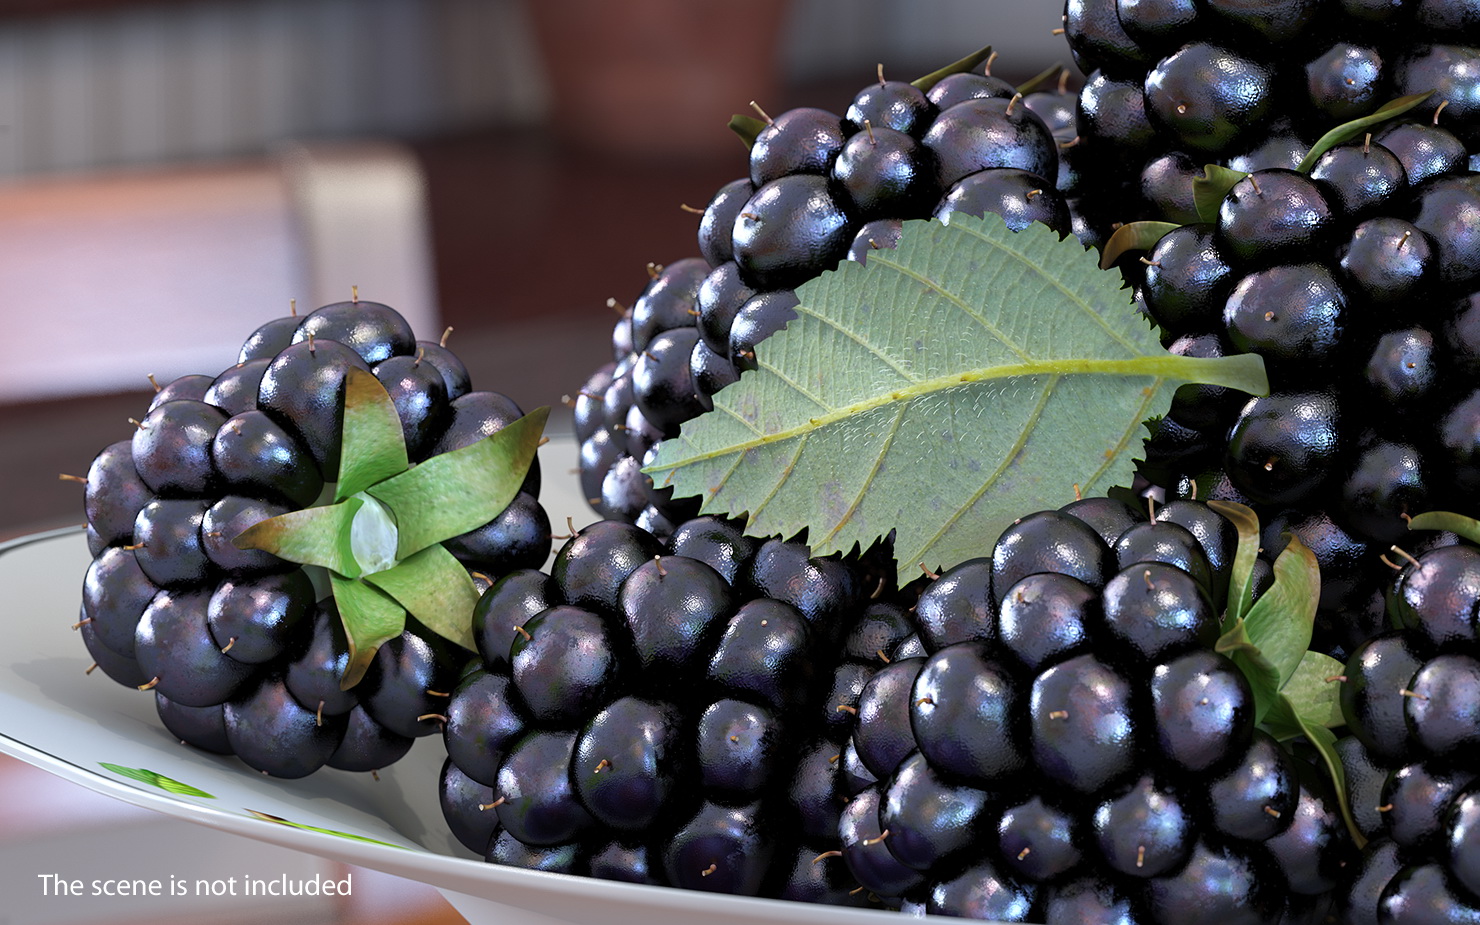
174 172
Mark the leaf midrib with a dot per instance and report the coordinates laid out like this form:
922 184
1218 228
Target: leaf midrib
1144 366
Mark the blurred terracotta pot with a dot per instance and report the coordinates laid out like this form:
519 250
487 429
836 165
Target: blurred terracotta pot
657 78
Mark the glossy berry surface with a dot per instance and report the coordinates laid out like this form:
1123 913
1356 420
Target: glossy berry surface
245 651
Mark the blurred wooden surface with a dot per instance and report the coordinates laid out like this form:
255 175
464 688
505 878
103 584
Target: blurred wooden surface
528 240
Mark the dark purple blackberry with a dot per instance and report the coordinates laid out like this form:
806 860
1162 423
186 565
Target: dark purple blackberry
1093 753
1251 85
244 649
1307 260
668 698
964 713
1409 695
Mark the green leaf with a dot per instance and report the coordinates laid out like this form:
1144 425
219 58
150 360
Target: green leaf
747 127
1241 582
1281 621
955 382
1263 676
1282 720
455 492
435 588
1134 236
370 617
269 817
155 779
1325 742
1209 189
1314 690
312 536
373 443
1349 130
1467 527
969 63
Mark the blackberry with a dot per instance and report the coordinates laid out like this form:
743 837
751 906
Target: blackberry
1300 268
1075 749
1367 420
820 188
1408 697
1173 86
244 651
670 698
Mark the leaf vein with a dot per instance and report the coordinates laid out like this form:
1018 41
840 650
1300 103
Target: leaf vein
1012 453
873 473
797 386
1167 366
1070 294
784 477
1147 397
721 406
959 302
802 309
714 492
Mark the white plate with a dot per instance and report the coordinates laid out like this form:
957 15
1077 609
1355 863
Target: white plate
55 717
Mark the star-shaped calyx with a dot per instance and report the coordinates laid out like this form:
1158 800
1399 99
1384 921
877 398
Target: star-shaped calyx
380 537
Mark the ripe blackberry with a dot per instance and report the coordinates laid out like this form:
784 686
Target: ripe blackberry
1072 745
675 694
1367 420
1173 86
1408 696
820 188
1302 270
246 652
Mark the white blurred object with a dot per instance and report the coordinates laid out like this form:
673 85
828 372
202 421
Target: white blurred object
361 213
110 278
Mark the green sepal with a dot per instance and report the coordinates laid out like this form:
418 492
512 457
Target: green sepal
370 617
1262 675
373 445
968 63
455 492
1315 689
1281 622
1349 130
1286 723
312 536
1133 236
156 779
1039 79
435 589
1241 581
1467 527
747 127
1282 720
1325 742
1209 189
